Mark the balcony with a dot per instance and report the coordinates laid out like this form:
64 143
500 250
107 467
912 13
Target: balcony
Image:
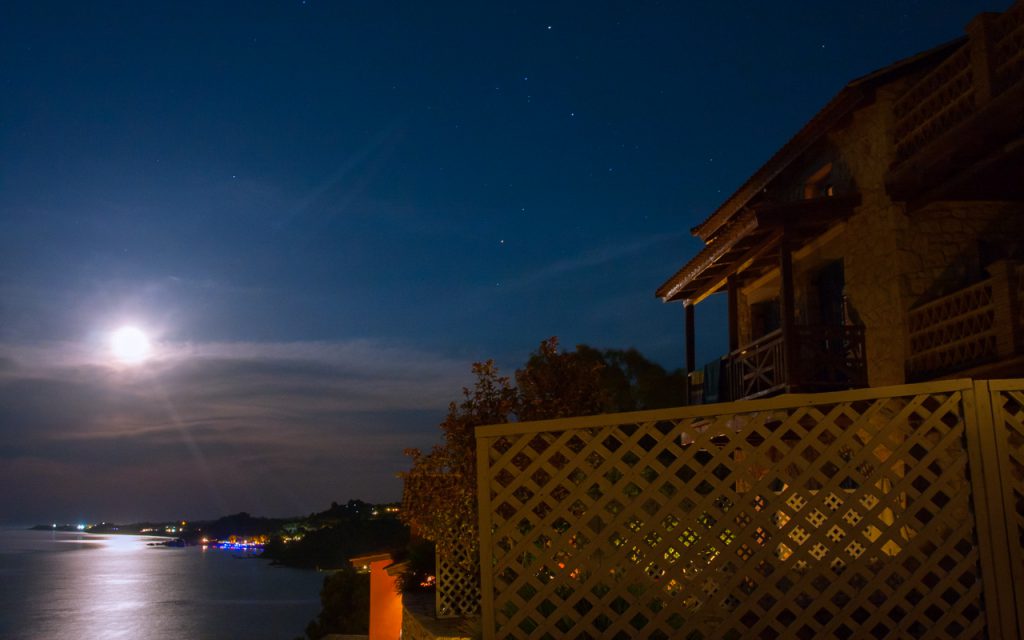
973 330
820 358
952 124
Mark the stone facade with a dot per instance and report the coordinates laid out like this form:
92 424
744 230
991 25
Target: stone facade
893 260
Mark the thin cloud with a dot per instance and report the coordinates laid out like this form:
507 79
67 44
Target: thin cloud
334 416
593 258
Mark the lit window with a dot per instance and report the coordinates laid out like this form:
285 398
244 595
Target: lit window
819 184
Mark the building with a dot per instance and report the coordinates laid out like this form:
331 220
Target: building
385 598
880 245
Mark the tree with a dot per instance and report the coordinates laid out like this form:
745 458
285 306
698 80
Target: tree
646 384
439 496
345 602
557 384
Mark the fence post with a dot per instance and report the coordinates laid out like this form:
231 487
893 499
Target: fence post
1006 396
990 515
483 498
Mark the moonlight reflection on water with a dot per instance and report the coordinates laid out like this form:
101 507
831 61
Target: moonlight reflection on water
69 585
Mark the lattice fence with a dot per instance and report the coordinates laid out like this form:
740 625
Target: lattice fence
458 579
844 515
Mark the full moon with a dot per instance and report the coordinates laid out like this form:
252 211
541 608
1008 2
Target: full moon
129 345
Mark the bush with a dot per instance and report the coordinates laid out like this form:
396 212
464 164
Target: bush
345 602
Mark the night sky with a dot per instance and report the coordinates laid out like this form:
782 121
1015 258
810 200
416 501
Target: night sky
322 212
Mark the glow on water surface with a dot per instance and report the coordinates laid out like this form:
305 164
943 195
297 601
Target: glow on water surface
68 585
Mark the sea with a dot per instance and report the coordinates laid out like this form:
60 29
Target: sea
59 585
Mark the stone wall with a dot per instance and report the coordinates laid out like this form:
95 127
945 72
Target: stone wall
893 260
872 240
949 244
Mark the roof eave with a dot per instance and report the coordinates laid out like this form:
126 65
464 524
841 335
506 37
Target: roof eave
848 98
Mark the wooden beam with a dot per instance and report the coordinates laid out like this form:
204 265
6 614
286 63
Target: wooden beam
691 357
707 258
787 303
742 263
771 274
734 313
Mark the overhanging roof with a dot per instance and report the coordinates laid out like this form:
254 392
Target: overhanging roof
745 243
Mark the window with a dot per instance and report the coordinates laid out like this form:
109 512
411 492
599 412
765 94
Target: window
819 184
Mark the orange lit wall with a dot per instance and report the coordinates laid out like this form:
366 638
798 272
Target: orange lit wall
385 603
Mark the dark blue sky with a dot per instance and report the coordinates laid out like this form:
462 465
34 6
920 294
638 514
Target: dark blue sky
322 212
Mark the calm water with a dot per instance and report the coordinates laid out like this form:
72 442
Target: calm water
67 585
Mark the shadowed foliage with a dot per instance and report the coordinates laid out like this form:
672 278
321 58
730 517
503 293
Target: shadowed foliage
439 498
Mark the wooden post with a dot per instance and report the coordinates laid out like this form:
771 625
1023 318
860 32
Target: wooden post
1004 303
691 357
787 304
734 313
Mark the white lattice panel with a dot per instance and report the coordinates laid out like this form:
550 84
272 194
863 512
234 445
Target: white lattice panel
458 579
843 518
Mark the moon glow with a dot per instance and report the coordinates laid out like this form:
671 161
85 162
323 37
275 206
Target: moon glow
129 345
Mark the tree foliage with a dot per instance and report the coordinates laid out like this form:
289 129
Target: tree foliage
439 498
563 384
345 605
331 546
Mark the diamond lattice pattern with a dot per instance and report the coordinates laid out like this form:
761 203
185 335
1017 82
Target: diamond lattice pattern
843 520
458 580
1008 408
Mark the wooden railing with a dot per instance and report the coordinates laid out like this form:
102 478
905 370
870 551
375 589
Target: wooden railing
757 369
986 66
954 332
829 357
1007 38
825 358
973 326
936 103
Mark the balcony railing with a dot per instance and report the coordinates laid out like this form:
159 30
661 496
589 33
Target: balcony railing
825 358
757 369
974 326
987 66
